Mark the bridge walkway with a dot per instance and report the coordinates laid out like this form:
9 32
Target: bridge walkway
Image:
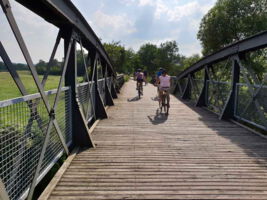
142 154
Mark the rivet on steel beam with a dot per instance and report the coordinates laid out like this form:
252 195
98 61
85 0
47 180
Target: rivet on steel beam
52 114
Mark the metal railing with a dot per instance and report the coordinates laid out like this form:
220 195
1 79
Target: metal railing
102 90
86 96
196 85
246 108
217 93
35 129
120 81
23 122
109 83
231 85
22 131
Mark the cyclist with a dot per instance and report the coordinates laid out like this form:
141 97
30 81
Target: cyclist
164 82
139 77
158 74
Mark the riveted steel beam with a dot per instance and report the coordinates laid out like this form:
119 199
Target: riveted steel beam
229 107
255 42
202 100
63 13
187 91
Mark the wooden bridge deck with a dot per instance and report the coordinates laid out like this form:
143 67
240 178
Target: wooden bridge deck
142 154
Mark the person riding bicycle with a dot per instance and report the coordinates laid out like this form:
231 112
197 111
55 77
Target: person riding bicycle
139 77
157 81
164 83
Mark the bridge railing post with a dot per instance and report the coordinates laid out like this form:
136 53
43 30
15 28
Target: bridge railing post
187 91
203 97
229 108
80 130
113 88
109 99
100 110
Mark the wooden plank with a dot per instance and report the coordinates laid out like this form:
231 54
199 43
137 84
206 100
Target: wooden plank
142 154
47 192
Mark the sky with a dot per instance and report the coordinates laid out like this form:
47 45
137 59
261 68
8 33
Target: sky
132 22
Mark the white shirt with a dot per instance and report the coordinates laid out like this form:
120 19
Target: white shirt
165 81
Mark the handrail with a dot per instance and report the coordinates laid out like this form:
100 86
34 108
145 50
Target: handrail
254 42
226 101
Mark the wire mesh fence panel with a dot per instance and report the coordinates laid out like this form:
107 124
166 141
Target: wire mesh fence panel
86 96
109 83
101 87
91 113
23 124
181 87
173 84
246 108
120 81
218 93
63 117
196 89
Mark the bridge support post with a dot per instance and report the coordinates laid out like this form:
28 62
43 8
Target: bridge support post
202 100
187 91
113 90
109 99
100 110
229 108
81 136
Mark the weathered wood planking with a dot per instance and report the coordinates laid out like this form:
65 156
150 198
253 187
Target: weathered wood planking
142 154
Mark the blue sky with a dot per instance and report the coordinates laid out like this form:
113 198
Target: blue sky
133 22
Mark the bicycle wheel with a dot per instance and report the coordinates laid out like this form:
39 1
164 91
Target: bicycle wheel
164 99
167 105
139 91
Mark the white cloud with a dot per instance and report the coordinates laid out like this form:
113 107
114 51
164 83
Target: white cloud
177 12
190 49
147 2
133 22
186 10
112 26
127 2
38 35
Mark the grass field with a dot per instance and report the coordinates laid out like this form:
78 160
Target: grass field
8 88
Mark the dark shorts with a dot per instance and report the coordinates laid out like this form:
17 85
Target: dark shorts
140 80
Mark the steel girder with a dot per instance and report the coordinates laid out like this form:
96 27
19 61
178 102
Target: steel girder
255 42
64 14
234 53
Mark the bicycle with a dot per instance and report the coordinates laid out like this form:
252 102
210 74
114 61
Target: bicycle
139 89
165 101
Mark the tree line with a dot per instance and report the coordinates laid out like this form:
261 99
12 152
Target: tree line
149 57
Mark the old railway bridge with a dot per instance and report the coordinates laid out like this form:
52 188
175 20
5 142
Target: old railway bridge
130 150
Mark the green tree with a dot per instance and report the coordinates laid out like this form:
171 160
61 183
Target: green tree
169 57
148 54
132 61
117 55
230 21
55 68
